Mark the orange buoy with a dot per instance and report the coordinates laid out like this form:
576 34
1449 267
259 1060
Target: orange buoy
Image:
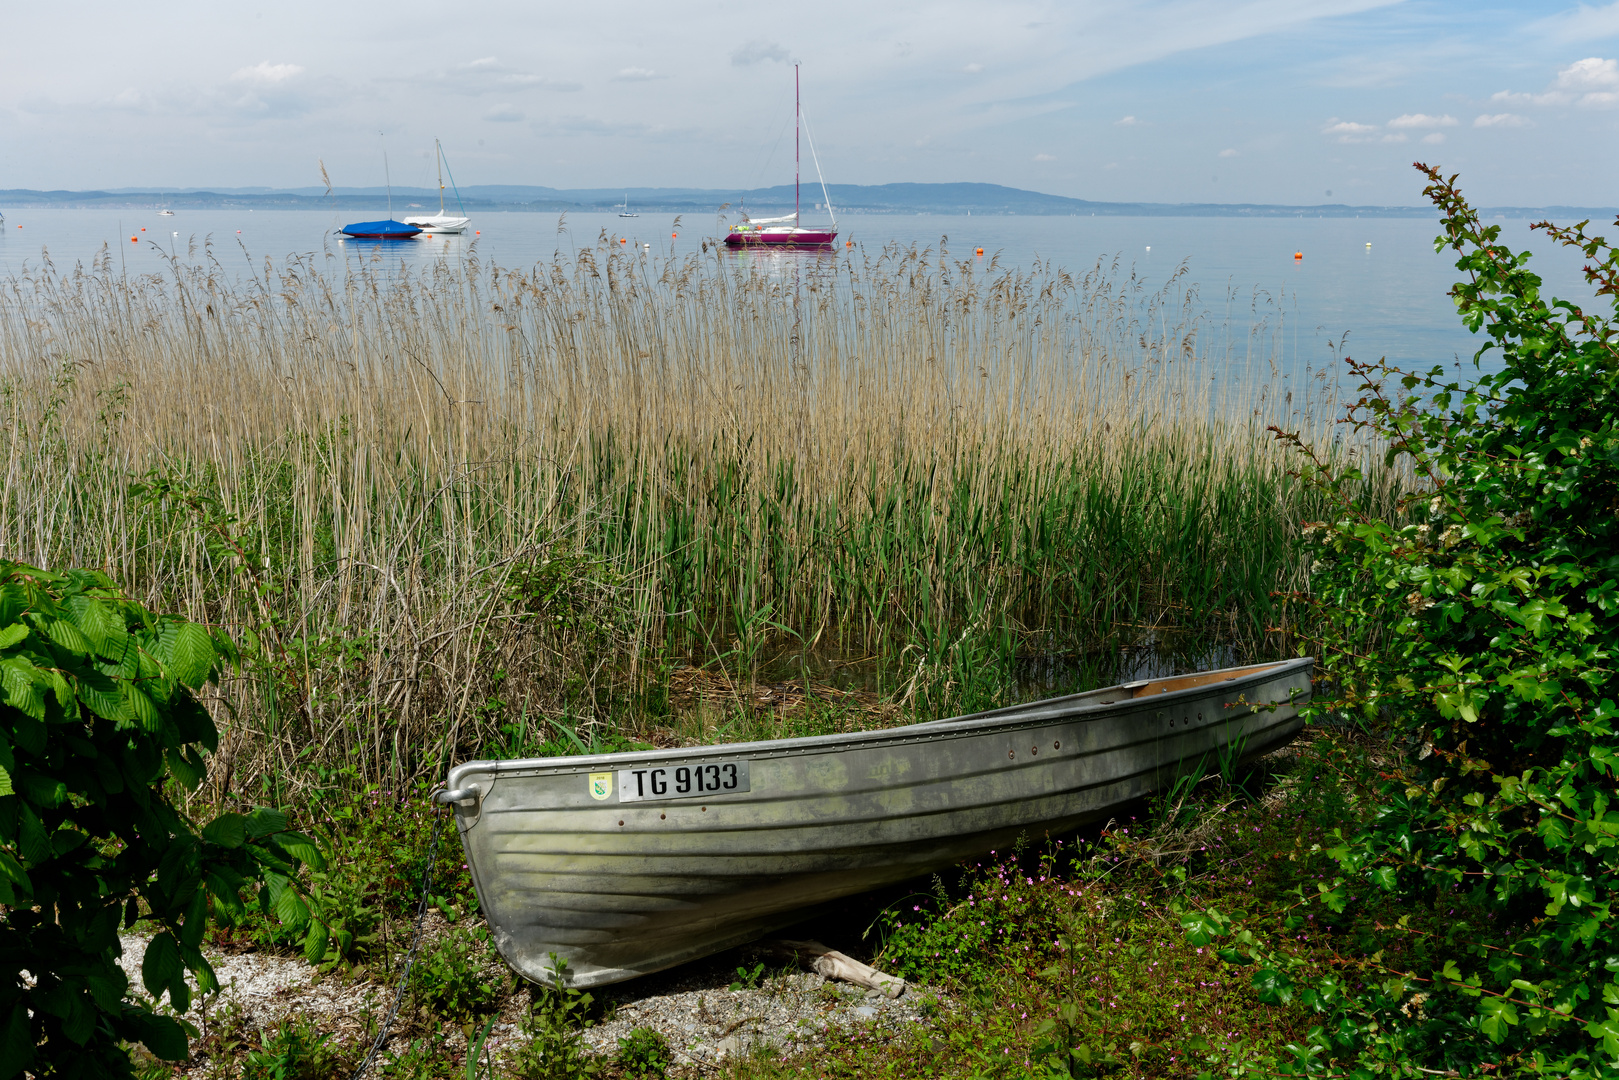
622 240
132 240
1298 256
846 243
674 236
143 230
477 232
978 251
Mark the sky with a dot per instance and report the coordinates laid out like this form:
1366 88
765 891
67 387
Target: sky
1277 101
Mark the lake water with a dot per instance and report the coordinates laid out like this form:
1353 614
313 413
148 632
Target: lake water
1376 279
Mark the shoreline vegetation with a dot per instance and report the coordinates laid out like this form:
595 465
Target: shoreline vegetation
458 513
396 520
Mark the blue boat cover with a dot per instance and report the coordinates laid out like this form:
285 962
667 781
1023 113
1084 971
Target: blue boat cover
381 230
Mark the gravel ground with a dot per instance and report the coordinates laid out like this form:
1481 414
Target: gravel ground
692 1007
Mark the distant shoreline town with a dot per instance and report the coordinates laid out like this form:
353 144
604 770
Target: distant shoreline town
848 198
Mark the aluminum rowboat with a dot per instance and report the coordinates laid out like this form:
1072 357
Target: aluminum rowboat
626 864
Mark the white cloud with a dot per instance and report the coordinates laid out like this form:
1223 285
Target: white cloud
503 114
1422 120
1397 137
1228 152
1349 131
265 73
756 51
1583 24
487 75
1435 137
636 74
1126 121
1592 83
1044 157
1504 119
973 69
1592 73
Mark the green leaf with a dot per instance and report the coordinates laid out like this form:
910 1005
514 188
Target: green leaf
16 1043
161 965
315 943
70 637
162 1035
21 690
1272 987
264 821
226 830
141 708
1495 1016
5 782
193 656
12 634
300 847
1607 1031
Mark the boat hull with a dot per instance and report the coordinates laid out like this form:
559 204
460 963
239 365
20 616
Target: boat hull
782 238
621 885
380 230
437 225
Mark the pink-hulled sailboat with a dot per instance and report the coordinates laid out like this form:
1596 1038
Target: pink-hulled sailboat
786 231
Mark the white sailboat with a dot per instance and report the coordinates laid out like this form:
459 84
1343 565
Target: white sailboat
441 222
624 207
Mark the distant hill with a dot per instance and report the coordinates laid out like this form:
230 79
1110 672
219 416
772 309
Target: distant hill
854 198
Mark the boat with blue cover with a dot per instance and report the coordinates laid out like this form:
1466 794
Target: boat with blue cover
380 230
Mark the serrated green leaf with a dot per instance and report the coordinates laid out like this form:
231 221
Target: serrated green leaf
5 782
226 830
264 821
161 964
12 634
291 909
20 689
315 942
193 655
70 637
140 708
100 695
300 847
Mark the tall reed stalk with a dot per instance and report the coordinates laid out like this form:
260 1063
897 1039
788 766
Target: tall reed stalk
430 503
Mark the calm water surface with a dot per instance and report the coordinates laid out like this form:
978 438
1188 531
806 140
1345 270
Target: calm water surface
1388 297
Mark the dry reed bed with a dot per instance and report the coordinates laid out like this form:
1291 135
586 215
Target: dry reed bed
428 503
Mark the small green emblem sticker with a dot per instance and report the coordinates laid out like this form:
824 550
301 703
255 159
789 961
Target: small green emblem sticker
601 785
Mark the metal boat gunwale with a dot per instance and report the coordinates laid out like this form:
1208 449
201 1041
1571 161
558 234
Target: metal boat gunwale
1007 718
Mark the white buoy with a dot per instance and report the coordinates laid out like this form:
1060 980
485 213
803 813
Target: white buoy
1149 247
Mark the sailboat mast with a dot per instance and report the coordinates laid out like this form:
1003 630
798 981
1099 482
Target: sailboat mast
438 152
798 111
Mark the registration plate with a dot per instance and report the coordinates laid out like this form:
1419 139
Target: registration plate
658 782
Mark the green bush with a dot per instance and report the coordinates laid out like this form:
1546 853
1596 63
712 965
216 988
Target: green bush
97 717
554 1025
294 1051
452 977
643 1054
1481 633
